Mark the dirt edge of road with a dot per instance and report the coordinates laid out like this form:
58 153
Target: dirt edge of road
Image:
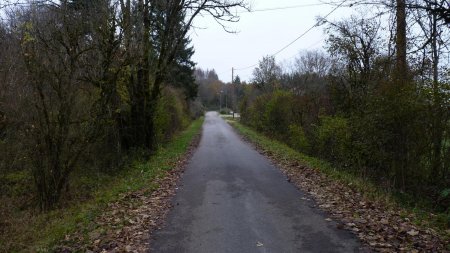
379 227
127 224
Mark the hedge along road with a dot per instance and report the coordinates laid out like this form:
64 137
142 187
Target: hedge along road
232 199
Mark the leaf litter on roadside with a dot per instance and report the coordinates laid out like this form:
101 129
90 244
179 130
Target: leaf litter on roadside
383 228
127 224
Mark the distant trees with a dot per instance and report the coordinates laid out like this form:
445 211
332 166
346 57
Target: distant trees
209 88
215 94
237 80
313 62
308 73
267 74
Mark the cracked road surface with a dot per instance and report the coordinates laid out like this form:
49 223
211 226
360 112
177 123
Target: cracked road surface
232 199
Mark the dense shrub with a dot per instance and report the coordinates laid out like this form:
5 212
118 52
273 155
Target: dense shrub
171 115
225 111
297 138
272 114
333 138
278 114
254 115
387 140
196 109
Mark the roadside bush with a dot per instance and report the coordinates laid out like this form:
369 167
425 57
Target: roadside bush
225 111
254 115
196 109
171 115
270 113
333 138
278 114
297 138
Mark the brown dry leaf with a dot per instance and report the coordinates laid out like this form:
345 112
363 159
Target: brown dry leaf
413 232
379 226
126 225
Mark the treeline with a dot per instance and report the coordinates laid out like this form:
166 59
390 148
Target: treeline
214 94
375 104
84 83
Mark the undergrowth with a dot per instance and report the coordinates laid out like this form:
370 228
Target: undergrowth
30 231
283 153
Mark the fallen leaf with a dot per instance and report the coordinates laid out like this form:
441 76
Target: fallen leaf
413 232
384 221
128 248
325 206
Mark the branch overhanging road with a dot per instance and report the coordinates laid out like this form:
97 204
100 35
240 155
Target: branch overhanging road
232 199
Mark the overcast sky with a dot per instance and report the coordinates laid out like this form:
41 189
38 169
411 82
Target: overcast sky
260 33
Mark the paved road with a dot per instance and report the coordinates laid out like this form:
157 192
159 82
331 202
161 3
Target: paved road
232 199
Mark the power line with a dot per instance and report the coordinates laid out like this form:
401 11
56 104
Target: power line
301 35
307 31
309 47
223 72
246 67
283 8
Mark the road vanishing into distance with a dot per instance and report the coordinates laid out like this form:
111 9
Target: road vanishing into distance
232 199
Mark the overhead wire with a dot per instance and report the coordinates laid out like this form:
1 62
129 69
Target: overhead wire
300 36
283 8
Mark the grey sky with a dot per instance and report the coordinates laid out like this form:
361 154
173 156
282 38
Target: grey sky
259 34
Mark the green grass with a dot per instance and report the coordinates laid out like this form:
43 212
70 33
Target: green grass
41 232
284 153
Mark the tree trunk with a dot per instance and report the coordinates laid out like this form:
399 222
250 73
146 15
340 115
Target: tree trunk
401 73
400 93
437 130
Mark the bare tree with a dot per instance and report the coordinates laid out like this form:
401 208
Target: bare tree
313 62
54 49
433 44
267 75
355 45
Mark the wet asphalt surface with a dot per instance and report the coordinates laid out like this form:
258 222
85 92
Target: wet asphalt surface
232 199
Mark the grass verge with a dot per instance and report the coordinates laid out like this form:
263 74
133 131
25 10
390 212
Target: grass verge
41 232
284 154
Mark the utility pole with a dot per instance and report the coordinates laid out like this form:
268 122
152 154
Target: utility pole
232 75
226 97
220 101
232 84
